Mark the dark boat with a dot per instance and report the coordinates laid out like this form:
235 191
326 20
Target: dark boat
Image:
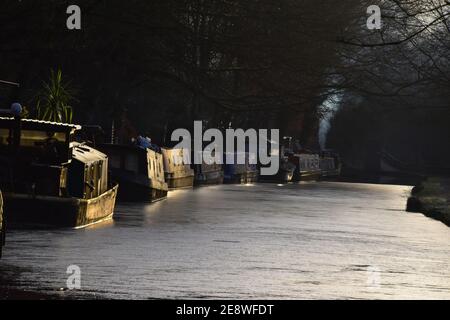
285 170
2 226
208 174
138 170
284 174
307 167
177 170
239 173
48 180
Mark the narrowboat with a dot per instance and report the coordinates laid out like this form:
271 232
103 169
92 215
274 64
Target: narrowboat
307 167
2 226
48 179
284 175
330 165
177 170
285 172
207 173
138 170
240 173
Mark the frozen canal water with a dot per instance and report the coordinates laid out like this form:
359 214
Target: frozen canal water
313 240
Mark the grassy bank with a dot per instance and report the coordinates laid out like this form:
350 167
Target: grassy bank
432 198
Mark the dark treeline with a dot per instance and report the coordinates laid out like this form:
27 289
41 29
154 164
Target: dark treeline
254 63
399 98
164 64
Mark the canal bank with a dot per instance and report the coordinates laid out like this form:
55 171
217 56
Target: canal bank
432 198
13 286
11 293
10 288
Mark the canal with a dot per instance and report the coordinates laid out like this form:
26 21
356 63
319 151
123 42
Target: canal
314 240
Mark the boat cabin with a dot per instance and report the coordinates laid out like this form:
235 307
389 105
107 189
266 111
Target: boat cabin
240 173
208 172
88 173
140 171
47 179
330 163
177 168
307 166
35 155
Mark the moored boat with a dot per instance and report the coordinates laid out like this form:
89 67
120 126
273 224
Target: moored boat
138 170
48 180
285 169
307 167
208 174
285 172
284 175
330 165
177 170
239 173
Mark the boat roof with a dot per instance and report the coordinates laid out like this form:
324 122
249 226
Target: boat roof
123 147
87 154
40 125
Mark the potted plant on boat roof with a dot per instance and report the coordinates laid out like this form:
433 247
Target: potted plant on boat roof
54 99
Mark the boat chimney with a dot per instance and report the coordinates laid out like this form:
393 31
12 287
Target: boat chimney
9 83
16 108
112 132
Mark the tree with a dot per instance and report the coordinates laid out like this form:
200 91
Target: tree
396 80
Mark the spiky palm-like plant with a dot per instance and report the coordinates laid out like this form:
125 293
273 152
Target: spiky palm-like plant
54 98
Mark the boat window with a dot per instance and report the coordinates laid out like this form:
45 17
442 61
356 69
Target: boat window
44 147
32 138
4 136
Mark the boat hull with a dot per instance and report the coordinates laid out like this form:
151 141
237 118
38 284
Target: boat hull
57 212
307 176
242 178
330 174
330 166
209 178
180 182
131 191
283 176
178 173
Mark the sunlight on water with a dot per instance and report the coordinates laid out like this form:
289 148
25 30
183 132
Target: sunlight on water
314 240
